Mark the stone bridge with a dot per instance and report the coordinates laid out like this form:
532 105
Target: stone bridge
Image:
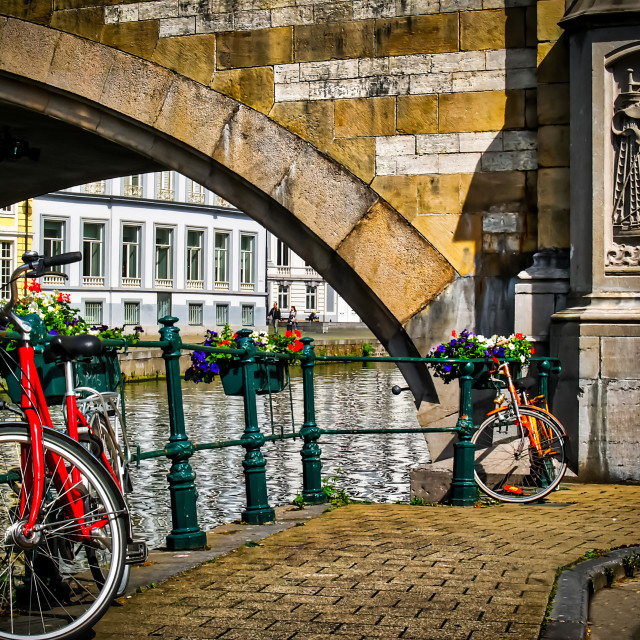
415 152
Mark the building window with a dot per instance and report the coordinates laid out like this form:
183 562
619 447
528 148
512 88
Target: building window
195 241
282 254
95 188
221 257
93 312
132 313
222 314
247 315
330 302
53 238
196 193
246 261
165 186
6 210
195 314
311 300
164 305
93 253
131 256
6 267
133 186
283 296
164 257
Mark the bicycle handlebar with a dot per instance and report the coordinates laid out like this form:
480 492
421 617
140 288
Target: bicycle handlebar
62 258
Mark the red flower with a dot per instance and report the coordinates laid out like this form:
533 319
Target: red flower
35 286
64 297
533 350
519 336
453 334
288 334
298 334
224 343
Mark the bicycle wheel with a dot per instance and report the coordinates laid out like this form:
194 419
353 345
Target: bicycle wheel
47 587
508 467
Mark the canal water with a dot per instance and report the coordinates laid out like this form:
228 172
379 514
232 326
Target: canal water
369 467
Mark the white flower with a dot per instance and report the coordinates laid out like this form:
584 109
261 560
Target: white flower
512 346
522 358
481 338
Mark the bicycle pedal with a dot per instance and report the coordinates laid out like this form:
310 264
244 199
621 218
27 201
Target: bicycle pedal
511 489
137 552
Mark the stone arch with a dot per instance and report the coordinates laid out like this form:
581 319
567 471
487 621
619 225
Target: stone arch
381 265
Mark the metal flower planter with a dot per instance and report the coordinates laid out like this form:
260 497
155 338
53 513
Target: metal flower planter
268 376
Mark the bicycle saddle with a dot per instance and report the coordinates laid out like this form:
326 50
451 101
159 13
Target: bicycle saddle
70 347
523 384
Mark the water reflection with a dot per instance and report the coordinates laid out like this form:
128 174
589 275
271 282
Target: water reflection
373 467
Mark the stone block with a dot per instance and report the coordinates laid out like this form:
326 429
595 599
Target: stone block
286 73
623 445
533 313
492 29
505 190
312 121
519 140
420 34
158 9
553 61
137 38
399 191
549 13
136 88
324 196
553 208
511 59
385 248
620 358
195 114
80 66
509 161
366 10
455 236
171 27
482 111
192 56
481 141
417 114
431 83
328 70
553 146
365 117
521 79
39 11
333 12
214 22
430 484
252 20
334 41
460 162
440 194
356 154
395 145
438 143
553 103
501 223
479 81
457 61
292 92
417 165
260 48
87 23
253 87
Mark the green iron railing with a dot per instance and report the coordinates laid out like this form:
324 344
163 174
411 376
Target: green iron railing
186 533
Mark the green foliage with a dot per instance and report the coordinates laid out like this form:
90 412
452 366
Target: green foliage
418 502
251 543
630 563
367 350
336 495
298 501
610 574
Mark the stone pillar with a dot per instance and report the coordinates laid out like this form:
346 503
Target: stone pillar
598 335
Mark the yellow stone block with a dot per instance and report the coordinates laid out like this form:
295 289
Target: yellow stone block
138 38
553 208
550 12
439 194
334 41
87 23
553 103
253 87
365 117
191 56
553 146
401 192
417 114
38 11
356 154
501 190
312 121
492 29
417 34
553 61
455 236
260 48
481 111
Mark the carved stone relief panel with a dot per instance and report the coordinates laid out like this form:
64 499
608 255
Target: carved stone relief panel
623 234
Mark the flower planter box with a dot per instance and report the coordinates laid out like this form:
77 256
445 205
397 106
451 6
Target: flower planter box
269 377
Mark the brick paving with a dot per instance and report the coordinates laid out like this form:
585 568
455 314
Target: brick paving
389 571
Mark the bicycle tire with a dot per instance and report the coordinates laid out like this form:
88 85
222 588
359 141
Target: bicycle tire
48 592
508 467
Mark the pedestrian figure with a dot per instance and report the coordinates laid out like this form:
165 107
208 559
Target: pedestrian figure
292 322
274 316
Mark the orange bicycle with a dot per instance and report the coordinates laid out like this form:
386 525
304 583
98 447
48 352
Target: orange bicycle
520 447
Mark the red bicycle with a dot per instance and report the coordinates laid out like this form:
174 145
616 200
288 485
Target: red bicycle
65 520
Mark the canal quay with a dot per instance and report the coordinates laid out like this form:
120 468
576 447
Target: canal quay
378 571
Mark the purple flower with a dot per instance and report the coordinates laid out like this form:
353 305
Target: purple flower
53 332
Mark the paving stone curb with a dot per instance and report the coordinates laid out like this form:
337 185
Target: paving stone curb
568 619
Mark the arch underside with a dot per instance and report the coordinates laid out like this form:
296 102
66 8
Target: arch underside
98 112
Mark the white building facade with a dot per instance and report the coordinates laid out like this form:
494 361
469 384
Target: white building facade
292 282
154 245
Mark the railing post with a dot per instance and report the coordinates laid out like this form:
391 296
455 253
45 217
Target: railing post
544 367
258 510
312 491
186 534
464 491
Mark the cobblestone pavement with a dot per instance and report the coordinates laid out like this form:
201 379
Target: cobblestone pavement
389 571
